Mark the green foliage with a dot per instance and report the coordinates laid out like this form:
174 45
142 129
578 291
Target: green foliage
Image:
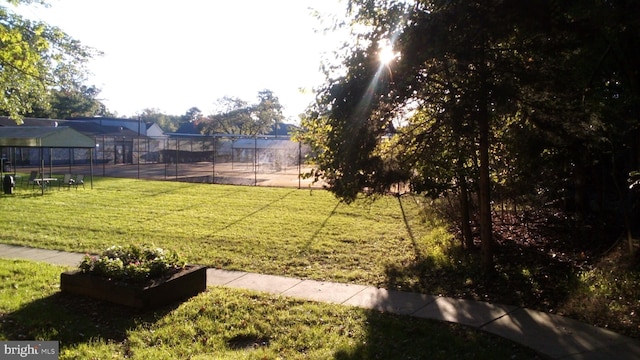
613 293
133 263
35 58
233 117
168 123
268 112
236 116
72 103
537 99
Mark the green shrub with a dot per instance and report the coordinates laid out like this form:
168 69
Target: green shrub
133 263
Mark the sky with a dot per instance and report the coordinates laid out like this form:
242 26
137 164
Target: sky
174 55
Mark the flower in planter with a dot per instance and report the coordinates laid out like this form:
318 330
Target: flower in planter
133 263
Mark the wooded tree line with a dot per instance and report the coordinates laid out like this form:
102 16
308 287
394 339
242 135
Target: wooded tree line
533 102
231 115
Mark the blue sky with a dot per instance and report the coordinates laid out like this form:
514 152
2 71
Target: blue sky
173 55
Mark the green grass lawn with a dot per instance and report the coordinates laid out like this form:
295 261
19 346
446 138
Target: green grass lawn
394 243
301 233
225 323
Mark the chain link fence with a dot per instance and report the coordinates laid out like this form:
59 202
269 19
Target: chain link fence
237 160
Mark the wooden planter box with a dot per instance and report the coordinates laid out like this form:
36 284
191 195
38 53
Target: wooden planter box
185 284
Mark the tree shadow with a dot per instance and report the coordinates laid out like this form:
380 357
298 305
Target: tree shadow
531 268
441 287
322 226
248 216
522 277
74 320
393 336
541 260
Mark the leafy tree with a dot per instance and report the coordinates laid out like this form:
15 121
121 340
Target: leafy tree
233 117
444 72
168 123
34 59
268 111
67 104
504 95
236 116
604 142
192 115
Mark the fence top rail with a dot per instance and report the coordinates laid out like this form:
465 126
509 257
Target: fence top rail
238 136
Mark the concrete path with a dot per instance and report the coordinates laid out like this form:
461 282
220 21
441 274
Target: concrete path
551 335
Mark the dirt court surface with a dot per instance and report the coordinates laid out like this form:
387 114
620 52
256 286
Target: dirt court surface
202 172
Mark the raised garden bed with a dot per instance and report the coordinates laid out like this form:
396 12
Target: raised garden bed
182 285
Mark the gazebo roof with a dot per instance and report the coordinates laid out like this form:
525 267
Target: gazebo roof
39 136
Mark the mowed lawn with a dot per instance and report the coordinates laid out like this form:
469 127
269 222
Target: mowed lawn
301 233
225 323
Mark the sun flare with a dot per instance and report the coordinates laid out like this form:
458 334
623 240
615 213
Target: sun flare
386 54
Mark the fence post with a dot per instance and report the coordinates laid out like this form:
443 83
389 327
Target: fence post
165 157
138 148
177 155
299 165
213 167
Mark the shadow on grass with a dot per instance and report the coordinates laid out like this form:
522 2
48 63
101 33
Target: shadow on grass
251 214
22 194
416 249
314 236
404 337
73 320
524 276
521 278
440 287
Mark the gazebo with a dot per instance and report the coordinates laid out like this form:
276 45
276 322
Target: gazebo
46 137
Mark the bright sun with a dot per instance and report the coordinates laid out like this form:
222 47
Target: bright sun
386 54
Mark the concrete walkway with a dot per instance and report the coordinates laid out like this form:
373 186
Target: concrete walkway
550 335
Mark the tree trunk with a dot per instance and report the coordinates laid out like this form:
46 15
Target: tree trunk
467 235
486 236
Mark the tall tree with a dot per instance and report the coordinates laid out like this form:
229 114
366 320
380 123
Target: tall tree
193 115
34 59
268 111
236 116
168 123
232 116
440 63
71 103
533 92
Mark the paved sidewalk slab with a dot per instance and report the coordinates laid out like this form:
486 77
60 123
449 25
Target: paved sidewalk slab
222 277
560 337
8 250
62 258
267 283
550 335
466 312
336 293
51 256
35 254
396 302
